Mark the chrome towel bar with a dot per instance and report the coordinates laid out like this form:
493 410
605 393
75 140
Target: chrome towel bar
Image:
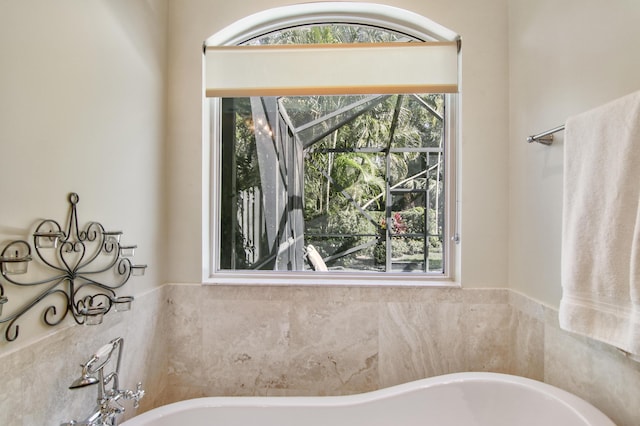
545 138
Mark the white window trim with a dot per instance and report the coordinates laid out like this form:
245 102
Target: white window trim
393 18
389 17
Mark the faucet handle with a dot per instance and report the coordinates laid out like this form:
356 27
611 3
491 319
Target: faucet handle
137 395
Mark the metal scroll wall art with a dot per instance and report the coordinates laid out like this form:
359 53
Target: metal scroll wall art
75 271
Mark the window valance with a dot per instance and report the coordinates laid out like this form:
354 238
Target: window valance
331 69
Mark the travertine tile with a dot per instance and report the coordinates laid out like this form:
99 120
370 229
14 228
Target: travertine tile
527 306
594 371
246 292
145 349
37 376
245 346
485 296
46 381
184 334
334 347
177 393
528 346
487 335
304 294
419 340
412 294
13 371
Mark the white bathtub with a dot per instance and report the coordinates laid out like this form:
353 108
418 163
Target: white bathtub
478 399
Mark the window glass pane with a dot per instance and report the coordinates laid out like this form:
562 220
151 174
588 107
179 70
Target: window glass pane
333 33
371 179
408 254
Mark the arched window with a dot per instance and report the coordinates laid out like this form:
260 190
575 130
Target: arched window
332 141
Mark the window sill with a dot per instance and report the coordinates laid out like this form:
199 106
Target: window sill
329 279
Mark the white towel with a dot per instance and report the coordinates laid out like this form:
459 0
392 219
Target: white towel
601 225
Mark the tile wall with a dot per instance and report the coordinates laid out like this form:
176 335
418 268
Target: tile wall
185 341
333 341
35 379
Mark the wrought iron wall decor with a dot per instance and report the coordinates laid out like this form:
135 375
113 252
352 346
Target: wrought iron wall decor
81 268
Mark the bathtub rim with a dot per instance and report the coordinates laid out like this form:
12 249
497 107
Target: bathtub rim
582 408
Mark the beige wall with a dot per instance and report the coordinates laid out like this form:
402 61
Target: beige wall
565 57
483 27
82 109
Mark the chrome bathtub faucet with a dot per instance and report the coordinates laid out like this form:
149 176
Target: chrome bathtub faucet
108 406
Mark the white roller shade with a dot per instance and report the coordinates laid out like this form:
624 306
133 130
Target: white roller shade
331 69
